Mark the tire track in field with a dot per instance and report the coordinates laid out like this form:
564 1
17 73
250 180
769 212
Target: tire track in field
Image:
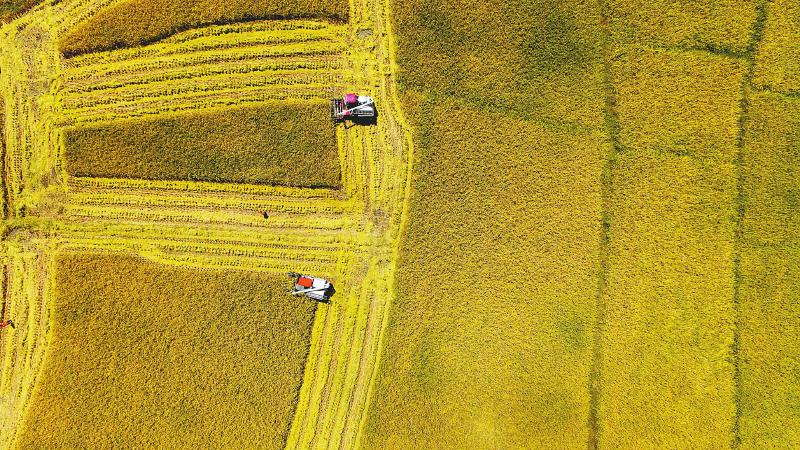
382 162
611 124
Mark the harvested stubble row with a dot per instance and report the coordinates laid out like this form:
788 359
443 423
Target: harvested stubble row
287 143
137 22
216 37
147 354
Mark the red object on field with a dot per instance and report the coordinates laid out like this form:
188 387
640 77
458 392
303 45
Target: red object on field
305 282
6 323
350 99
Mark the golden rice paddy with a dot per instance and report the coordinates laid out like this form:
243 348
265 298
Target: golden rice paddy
574 225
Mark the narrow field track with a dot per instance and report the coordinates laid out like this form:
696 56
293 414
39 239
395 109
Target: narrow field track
350 235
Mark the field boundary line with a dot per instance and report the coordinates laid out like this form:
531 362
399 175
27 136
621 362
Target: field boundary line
741 201
611 148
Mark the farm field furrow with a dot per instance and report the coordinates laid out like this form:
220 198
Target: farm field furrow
191 100
218 37
203 74
135 22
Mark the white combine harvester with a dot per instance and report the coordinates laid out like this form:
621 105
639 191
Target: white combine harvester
318 289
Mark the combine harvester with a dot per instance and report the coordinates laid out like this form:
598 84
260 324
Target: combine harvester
318 289
358 109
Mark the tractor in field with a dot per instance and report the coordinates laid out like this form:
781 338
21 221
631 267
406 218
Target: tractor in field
318 289
358 109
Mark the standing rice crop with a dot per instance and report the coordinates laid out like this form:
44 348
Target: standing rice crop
149 355
280 143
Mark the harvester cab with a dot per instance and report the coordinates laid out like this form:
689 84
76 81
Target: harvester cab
359 109
318 289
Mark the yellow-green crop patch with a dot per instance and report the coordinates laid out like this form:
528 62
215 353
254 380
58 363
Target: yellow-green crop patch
770 347
669 319
718 25
772 170
527 58
279 143
147 355
778 58
770 274
667 375
490 337
677 102
138 22
12 8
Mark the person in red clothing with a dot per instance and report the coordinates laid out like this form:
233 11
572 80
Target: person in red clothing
6 323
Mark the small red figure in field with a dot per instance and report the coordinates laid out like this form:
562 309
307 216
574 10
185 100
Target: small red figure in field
6 323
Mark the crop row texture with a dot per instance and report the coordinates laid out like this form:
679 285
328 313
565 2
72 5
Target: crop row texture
770 274
778 59
287 143
136 22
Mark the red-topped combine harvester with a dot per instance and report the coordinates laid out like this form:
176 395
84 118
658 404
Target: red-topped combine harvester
359 109
318 289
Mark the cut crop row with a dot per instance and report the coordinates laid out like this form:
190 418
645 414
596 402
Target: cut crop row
168 188
135 22
201 218
205 201
23 351
205 57
211 82
311 65
219 38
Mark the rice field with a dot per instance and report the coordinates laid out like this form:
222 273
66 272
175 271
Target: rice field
681 325
135 22
186 357
574 225
94 167
280 144
770 270
496 342
9 9
777 66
